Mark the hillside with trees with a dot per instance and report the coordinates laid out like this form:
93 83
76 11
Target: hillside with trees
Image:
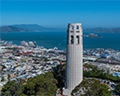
91 87
42 85
48 83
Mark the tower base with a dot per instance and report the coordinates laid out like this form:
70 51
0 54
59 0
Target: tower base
63 92
66 92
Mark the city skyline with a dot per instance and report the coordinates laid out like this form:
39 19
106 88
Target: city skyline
57 14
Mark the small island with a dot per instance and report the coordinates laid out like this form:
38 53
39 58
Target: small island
92 35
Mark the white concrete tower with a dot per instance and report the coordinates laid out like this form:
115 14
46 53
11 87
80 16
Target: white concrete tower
74 67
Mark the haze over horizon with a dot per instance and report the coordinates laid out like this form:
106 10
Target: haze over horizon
58 14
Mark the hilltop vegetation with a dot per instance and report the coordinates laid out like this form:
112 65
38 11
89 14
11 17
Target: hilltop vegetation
48 83
91 87
99 74
42 85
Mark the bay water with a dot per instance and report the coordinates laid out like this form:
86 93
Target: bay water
58 39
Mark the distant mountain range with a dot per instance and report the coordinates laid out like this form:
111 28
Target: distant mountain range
103 30
38 28
13 29
27 28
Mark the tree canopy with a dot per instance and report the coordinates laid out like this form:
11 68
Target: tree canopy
59 75
91 87
12 88
42 85
3 79
117 88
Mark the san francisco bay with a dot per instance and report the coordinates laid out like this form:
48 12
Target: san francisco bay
58 39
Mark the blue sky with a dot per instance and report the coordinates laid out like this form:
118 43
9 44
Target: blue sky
53 13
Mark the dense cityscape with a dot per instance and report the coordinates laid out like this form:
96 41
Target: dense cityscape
29 60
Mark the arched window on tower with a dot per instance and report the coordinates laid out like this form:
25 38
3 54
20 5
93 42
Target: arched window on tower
72 39
77 27
72 27
77 40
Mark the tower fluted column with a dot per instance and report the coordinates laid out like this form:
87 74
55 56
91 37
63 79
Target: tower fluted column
74 63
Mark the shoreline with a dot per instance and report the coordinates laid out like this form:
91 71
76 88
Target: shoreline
48 47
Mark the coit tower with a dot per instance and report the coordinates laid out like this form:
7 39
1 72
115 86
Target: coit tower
74 63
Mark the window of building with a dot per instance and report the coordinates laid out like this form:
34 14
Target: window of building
72 39
77 31
77 27
77 40
72 27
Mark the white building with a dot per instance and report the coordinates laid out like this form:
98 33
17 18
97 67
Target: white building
106 67
74 67
116 56
23 43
